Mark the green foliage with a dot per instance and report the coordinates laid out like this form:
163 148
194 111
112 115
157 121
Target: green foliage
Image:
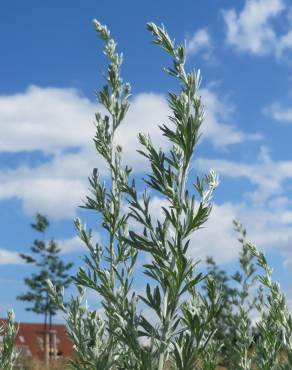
8 331
45 257
238 348
274 327
265 344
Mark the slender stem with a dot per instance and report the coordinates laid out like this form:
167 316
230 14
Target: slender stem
46 328
114 191
169 308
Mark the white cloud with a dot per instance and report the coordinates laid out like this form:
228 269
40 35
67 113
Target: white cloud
146 112
71 245
216 238
75 244
265 210
55 121
53 195
46 119
217 126
279 112
266 174
200 42
252 30
284 44
269 227
10 258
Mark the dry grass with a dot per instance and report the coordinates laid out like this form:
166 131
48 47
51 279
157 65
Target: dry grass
60 365
39 365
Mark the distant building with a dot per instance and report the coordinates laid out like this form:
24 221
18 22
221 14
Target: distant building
31 337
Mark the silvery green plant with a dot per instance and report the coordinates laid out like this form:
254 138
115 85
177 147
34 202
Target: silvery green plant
183 332
273 348
109 267
234 335
87 331
201 350
224 336
185 335
246 277
266 344
8 331
240 340
181 335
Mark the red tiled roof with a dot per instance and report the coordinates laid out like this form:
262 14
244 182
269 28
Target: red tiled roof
30 337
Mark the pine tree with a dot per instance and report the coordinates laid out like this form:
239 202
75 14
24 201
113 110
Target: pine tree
45 256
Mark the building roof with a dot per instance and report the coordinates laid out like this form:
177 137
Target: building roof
31 336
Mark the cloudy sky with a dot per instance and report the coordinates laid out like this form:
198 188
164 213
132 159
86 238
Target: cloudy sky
51 65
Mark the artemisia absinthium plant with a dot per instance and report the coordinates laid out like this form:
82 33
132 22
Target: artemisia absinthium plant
8 331
239 339
273 347
183 333
110 266
181 336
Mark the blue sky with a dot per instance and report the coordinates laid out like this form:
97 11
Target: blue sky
51 64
